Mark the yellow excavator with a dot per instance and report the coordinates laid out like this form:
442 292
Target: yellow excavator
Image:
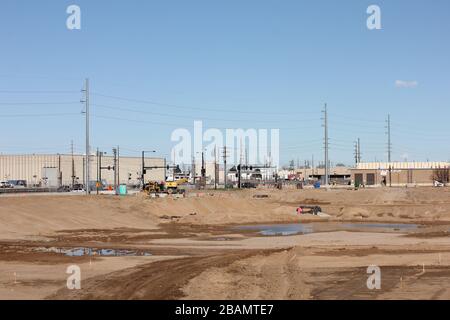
173 186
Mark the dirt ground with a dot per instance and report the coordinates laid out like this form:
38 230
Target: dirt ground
191 248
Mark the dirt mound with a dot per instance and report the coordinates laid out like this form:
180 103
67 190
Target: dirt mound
38 215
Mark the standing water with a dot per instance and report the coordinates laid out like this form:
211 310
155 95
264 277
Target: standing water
306 228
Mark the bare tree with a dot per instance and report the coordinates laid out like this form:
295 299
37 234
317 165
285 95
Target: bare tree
441 175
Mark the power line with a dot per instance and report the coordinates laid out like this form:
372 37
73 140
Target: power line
179 124
39 91
355 118
228 110
137 121
191 117
38 103
37 115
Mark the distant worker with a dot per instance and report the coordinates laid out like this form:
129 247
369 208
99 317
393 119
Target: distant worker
299 210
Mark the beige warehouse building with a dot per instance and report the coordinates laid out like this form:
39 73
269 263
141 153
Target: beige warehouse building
54 170
398 173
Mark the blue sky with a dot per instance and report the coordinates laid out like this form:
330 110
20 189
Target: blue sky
210 60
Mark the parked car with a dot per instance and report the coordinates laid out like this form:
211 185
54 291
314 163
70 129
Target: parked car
248 185
5 185
18 183
438 184
78 187
64 189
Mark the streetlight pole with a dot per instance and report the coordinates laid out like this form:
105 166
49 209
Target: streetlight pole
143 167
203 170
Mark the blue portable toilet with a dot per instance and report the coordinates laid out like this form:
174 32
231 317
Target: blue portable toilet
123 189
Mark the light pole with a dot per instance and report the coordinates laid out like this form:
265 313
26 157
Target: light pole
100 154
143 167
203 169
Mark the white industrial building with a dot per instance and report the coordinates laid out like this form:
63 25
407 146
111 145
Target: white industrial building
54 170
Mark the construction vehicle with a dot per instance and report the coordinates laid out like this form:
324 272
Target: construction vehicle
154 187
314 210
170 187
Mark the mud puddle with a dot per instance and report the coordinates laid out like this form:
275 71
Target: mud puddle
84 251
306 228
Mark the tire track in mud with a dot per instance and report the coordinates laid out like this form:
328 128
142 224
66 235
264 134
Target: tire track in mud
161 280
276 276
350 284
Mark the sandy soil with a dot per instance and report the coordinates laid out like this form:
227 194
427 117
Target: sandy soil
196 254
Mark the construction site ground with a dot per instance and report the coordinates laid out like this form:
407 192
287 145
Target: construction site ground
198 247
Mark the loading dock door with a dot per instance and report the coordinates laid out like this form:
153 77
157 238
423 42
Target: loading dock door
410 176
50 177
370 178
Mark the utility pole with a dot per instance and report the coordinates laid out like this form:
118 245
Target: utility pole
390 176
144 168
225 165
86 101
246 155
98 169
239 175
240 153
118 166
84 170
193 169
165 170
325 125
203 172
389 144
100 154
73 164
59 171
115 166
359 150
143 171
216 170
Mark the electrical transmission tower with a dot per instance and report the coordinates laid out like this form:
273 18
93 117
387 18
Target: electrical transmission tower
86 101
225 155
388 132
326 144
357 151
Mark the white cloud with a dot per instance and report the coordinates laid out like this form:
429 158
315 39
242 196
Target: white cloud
406 84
